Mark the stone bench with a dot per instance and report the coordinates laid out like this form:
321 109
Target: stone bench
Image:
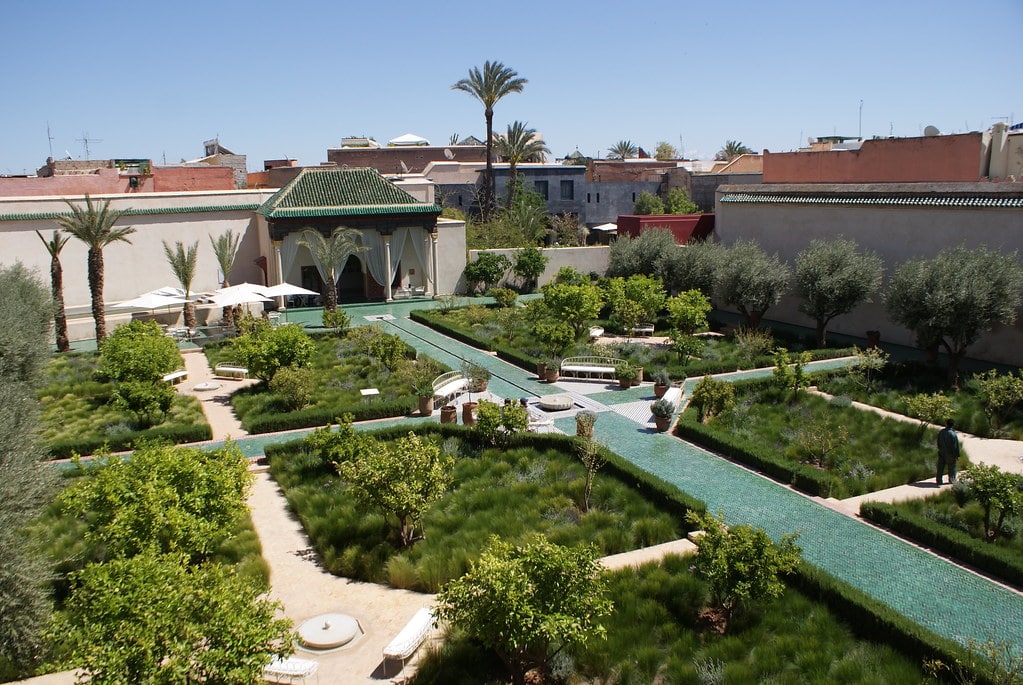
230 370
408 640
449 384
588 367
175 377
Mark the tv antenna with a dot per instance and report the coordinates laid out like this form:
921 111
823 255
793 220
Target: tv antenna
85 140
49 137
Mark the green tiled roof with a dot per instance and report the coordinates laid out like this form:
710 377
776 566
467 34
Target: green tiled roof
341 192
889 200
49 216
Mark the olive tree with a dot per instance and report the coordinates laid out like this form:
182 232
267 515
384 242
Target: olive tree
629 256
834 277
956 297
751 280
527 602
693 266
1000 494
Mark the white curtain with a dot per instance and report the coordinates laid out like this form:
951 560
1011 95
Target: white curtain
374 256
420 240
289 250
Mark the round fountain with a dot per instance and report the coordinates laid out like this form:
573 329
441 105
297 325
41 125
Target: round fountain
328 631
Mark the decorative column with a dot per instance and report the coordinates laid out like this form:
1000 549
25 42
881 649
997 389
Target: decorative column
387 268
433 258
279 268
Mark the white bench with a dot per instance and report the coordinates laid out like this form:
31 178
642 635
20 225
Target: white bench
230 370
175 377
449 384
286 670
406 642
643 329
673 395
588 367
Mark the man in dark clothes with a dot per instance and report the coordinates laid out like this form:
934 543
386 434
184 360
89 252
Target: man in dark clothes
948 451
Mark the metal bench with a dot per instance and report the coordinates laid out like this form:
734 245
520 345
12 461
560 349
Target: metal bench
588 367
449 384
643 329
406 642
175 377
230 370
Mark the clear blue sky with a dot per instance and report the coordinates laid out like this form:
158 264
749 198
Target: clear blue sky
291 78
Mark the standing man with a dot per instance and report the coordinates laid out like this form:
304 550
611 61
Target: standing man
948 451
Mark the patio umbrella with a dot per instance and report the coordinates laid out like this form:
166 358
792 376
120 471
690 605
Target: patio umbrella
285 289
230 298
150 301
241 287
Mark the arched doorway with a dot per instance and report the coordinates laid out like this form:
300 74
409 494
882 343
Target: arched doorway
351 287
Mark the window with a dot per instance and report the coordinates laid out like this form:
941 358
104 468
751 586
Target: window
634 197
541 187
568 190
598 198
588 198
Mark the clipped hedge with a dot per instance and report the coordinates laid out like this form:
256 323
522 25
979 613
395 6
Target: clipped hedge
64 449
321 416
441 325
998 561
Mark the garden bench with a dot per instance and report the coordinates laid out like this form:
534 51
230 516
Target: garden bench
643 329
175 377
588 367
286 670
673 395
230 370
408 640
449 384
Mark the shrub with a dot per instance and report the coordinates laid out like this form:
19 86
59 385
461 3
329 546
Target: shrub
138 351
487 270
711 397
145 399
530 263
267 349
337 321
293 385
504 297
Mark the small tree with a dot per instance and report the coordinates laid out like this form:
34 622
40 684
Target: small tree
693 266
294 386
591 454
665 152
138 351
929 409
554 336
751 280
679 202
623 149
183 261
147 400
820 439
640 255
152 619
266 349
528 602
953 299
731 150
576 305
870 362
530 263
834 278
711 398
53 248
741 563
336 321
496 423
401 479
1000 393
647 203
789 375
688 311
999 494
684 345
487 270
225 249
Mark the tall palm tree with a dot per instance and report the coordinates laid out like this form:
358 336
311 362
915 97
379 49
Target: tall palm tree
94 226
731 150
182 262
623 149
54 246
519 144
330 255
489 86
225 249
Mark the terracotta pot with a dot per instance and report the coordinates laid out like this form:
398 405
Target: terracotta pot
625 382
639 376
448 414
552 375
467 413
659 390
663 423
479 386
541 370
426 405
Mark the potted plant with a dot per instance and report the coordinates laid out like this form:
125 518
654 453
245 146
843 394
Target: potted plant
541 369
424 391
448 414
477 374
661 383
468 417
626 374
553 369
639 376
419 375
662 410
584 421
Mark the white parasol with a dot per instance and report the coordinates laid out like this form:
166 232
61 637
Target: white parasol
150 301
231 298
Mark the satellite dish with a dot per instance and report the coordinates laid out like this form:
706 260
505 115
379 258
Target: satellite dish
811 140
931 131
404 167
448 153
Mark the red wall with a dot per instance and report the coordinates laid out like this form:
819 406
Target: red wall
105 181
167 179
684 227
937 159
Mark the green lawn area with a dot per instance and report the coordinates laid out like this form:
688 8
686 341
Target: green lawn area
509 493
76 410
652 638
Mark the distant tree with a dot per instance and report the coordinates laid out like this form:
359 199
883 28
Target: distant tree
680 203
576 305
487 270
591 454
174 500
954 298
330 256
530 263
489 86
54 247
693 266
519 144
269 348
731 150
646 291
152 619
790 374
568 230
183 261
688 311
648 203
834 278
741 563
94 226
665 152
526 218
528 602
751 280
26 481
225 249
999 494
402 479
639 255
623 149
934 408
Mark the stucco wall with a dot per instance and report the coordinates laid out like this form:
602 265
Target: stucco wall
896 233
583 259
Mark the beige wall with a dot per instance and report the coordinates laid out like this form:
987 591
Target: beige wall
583 259
897 233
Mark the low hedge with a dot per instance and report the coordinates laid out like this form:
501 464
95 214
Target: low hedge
998 561
64 449
321 416
441 325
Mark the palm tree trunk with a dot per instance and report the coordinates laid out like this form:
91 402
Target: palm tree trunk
96 292
189 312
59 315
491 186
329 295
512 174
